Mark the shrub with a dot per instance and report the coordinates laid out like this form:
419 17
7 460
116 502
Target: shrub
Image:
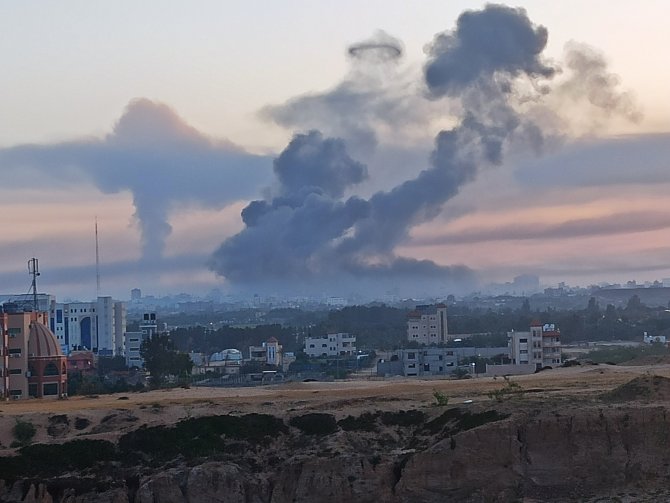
509 389
440 398
365 422
405 418
23 432
315 423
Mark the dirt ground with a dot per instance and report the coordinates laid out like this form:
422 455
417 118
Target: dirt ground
110 415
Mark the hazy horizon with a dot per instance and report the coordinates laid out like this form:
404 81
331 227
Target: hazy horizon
307 150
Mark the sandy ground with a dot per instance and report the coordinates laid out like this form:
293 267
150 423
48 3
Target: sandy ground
112 415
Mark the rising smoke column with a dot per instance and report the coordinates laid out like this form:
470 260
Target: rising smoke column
490 69
155 155
286 235
307 231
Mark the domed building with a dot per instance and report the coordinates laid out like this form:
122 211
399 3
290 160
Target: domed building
31 361
47 365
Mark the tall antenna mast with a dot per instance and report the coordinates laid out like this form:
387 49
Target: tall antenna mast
34 271
97 260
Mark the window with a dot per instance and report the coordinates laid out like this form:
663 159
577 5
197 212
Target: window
524 351
51 370
15 371
15 351
13 332
426 367
523 340
15 392
411 366
50 389
411 356
311 345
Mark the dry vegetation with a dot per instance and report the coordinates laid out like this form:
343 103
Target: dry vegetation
109 416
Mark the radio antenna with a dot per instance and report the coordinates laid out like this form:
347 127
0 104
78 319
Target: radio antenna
34 271
97 260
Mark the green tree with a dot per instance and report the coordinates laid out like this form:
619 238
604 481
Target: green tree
161 359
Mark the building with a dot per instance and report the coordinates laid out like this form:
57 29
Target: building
33 364
432 361
132 341
81 362
26 301
226 362
271 353
340 344
428 324
654 339
96 326
540 347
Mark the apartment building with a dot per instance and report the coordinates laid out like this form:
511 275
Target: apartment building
132 341
340 344
541 346
427 324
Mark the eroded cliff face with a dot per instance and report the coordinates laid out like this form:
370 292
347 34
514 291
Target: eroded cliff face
433 455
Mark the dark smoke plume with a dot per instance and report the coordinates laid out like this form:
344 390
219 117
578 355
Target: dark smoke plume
155 155
307 236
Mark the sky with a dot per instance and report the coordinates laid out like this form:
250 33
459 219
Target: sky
306 148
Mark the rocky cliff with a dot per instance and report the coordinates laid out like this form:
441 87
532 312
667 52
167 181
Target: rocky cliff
490 452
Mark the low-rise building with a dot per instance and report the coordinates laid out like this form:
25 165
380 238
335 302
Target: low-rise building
654 339
432 361
339 344
81 362
226 362
541 346
271 353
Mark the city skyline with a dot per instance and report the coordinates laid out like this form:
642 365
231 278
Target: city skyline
159 121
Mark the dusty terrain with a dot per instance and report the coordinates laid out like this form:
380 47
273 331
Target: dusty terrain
396 461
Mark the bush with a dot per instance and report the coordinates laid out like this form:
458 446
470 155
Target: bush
23 432
509 389
404 418
365 422
440 398
315 423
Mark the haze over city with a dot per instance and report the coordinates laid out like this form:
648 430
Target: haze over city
306 148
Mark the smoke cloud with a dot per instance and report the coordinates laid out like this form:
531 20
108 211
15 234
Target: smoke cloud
359 237
155 155
489 72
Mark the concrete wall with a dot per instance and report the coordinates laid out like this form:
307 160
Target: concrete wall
502 370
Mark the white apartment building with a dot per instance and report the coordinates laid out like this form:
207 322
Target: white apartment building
427 324
541 346
133 340
97 326
340 344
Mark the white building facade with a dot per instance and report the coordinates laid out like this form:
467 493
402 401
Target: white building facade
540 347
340 344
132 341
428 324
97 326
